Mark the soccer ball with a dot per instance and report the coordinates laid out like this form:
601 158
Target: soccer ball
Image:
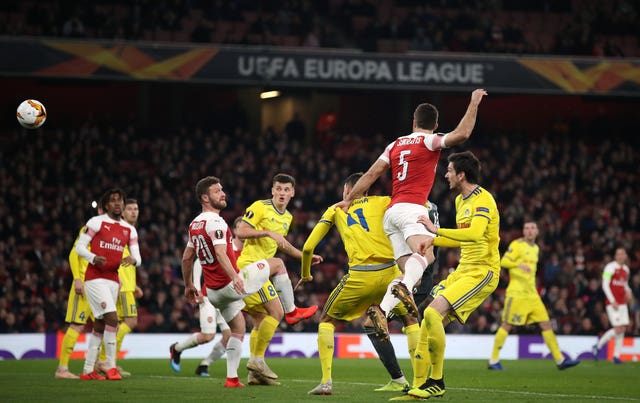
31 114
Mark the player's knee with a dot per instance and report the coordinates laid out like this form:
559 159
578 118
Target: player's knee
276 266
206 337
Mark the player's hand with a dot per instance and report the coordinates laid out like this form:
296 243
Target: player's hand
128 261
476 96
191 294
138 293
425 245
628 296
431 227
525 268
281 241
315 259
302 281
344 205
238 285
99 260
78 286
615 305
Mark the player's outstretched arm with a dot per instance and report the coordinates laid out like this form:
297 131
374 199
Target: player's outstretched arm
463 131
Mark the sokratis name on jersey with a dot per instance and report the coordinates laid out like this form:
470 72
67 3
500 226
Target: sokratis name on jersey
115 244
409 140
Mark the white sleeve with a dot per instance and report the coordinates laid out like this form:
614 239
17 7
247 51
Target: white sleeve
92 227
435 141
134 247
385 154
196 273
607 273
217 230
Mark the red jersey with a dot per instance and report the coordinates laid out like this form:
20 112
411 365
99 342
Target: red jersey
205 231
618 276
108 239
413 160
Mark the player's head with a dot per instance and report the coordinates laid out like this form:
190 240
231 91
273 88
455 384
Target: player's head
131 211
209 192
463 168
235 224
425 117
349 182
112 202
620 255
282 190
530 230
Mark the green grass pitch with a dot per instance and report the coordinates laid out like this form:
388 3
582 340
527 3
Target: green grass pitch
354 381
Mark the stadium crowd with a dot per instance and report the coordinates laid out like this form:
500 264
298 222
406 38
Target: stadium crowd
579 189
565 27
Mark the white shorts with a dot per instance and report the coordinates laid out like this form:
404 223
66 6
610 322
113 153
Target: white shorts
618 317
228 301
210 316
400 222
102 295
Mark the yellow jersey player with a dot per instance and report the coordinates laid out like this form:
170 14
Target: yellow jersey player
475 278
263 229
78 310
371 268
129 292
523 305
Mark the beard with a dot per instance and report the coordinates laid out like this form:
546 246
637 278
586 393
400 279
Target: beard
218 205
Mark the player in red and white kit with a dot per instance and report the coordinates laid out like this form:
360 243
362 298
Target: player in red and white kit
108 234
615 284
413 159
210 240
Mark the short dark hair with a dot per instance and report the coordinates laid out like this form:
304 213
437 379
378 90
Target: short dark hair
426 116
104 200
131 201
236 221
468 163
353 178
284 178
203 185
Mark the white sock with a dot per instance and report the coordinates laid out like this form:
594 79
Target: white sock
187 343
608 335
389 301
402 380
218 351
413 269
92 352
234 351
285 291
110 345
617 344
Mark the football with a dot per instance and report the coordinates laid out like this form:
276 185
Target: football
31 114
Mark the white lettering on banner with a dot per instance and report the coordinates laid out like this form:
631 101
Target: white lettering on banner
462 73
268 67
353 70
335 69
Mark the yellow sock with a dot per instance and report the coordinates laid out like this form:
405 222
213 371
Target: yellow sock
266 330
421 359
325 349
68 343
437 341
123 330
253 338
413 336
498 342
551 342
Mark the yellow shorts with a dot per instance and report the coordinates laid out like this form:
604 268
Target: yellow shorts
358 290
255 302
78 310
126 305
524 310
465 289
